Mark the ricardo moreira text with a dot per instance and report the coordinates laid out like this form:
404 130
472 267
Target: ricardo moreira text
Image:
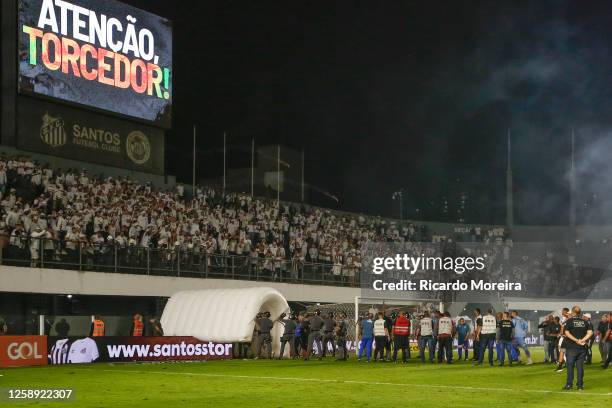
411 264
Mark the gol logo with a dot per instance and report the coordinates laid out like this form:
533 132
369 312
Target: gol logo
23 350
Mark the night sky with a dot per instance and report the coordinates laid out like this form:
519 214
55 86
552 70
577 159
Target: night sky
413 95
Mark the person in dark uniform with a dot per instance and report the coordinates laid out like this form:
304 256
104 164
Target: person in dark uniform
341 332
607 336
577 333
553 331
389 345
544 327
48 325
297 336
328 333
602 328
4 327
62 328
589 357
288 335
305 335
264 326
477 329
316 324
253 345
156 327
505 337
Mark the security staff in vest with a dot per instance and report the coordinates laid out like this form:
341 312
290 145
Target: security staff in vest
505 337
477 329
138 327
486 336
381 336
288 335
577 332
97 327
401 332
328 334
341 330
425 336
316 324
264 326
446 331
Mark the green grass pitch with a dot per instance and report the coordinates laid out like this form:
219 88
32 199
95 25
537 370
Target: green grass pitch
265 383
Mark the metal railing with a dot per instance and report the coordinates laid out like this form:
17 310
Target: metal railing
171 261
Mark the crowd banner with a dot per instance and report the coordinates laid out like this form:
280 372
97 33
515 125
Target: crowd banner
19 351
113 349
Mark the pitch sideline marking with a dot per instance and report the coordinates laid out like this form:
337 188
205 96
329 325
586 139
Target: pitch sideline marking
454 387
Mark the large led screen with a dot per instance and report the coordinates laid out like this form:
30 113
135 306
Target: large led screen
100 54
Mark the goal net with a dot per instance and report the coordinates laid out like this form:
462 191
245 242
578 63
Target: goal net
357 310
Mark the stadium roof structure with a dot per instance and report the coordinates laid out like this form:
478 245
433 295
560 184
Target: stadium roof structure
220 315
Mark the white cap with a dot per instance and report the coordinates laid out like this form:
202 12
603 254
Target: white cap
587 315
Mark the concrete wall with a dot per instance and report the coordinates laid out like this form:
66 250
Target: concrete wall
58 281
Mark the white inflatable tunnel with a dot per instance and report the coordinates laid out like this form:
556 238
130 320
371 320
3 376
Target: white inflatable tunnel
220 315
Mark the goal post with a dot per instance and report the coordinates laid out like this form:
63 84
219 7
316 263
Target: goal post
363 305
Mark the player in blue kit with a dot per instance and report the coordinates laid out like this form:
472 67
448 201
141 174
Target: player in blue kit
463 332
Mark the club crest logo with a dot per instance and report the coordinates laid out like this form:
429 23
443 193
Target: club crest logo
52 131
138 147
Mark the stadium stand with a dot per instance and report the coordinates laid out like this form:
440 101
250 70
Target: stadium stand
70 219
